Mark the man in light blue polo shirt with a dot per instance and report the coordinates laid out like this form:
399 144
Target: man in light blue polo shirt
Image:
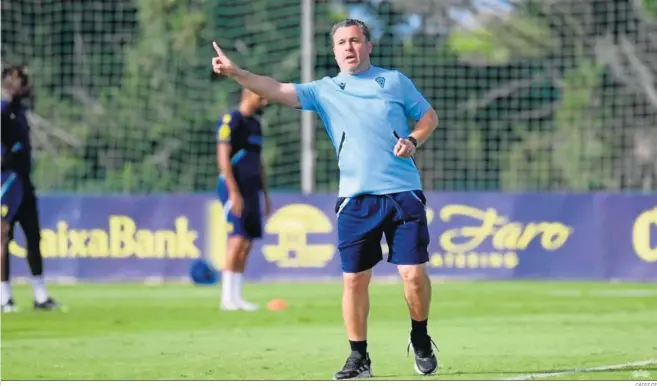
365 110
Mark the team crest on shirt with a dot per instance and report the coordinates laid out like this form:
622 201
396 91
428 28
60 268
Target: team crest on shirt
342 85
381 81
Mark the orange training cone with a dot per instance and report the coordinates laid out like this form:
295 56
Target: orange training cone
276 305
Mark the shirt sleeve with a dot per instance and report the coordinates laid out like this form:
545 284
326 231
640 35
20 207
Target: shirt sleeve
226 127
5 104
307 94
415 104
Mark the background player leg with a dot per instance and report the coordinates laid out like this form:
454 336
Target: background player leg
12 196
28 218
238 276
5 286
227 277
233 275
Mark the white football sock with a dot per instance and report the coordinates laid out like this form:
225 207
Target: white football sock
227 293
40 292
238 281
5 292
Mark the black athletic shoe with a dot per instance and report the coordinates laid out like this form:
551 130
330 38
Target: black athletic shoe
355 367
9 306
48 305
426 362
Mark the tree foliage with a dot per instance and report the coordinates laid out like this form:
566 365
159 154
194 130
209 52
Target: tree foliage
531 95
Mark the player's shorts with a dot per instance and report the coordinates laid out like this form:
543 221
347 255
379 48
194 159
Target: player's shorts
12 194
249 224
362 220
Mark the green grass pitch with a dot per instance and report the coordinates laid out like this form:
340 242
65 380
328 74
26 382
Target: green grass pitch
485 330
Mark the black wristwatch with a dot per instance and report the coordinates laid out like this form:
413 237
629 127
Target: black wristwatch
412 139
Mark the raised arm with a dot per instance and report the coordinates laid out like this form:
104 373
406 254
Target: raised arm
270 88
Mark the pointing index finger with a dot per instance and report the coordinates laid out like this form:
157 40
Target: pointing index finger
216 48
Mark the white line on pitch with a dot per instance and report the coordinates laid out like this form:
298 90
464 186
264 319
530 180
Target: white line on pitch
586 370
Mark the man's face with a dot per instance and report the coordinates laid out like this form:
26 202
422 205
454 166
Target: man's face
351 49
13 84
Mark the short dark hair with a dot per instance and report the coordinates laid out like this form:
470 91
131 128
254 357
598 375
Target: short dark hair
17 71
348 23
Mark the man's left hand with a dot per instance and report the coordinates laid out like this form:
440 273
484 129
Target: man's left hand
404 148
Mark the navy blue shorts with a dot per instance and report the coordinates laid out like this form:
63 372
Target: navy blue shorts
12 195
364 219
249 224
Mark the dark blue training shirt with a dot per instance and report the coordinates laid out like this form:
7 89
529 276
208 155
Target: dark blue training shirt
16 137
244 134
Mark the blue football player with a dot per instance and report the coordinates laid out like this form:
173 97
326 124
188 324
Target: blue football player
242 179
19 200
